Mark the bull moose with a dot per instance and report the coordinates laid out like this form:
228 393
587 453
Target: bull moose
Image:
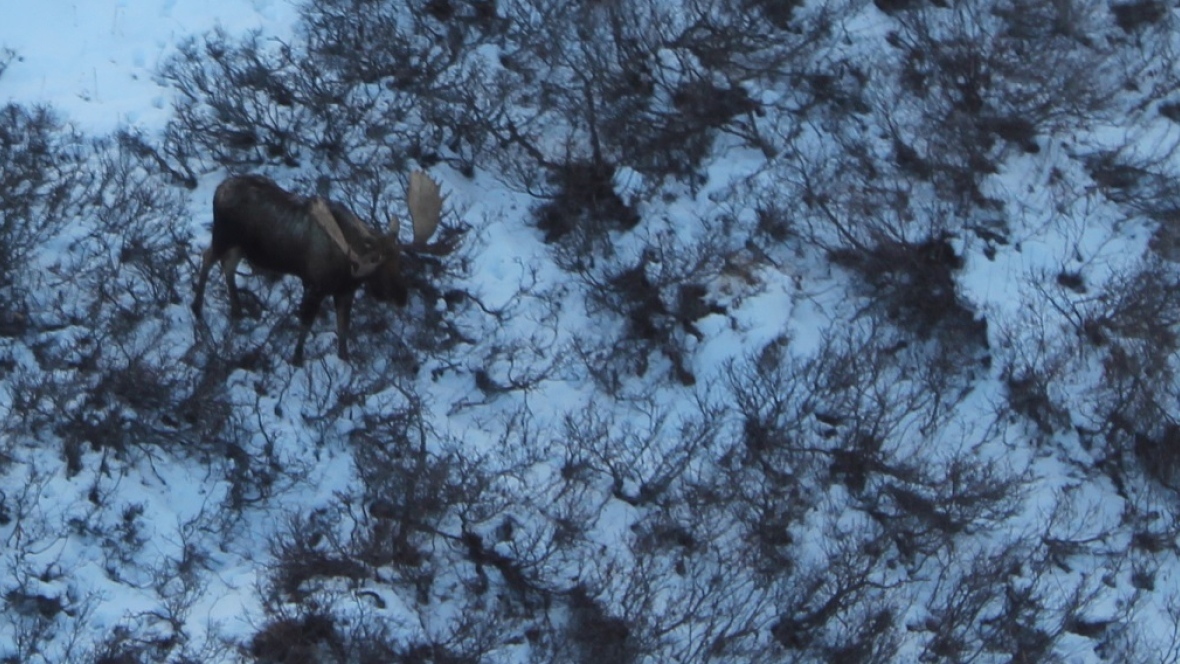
318 240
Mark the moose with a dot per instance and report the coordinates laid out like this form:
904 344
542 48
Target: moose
318 240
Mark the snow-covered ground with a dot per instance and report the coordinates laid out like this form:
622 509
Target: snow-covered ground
97 62
600 490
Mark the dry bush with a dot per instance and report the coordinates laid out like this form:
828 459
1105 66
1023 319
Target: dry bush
658 298
46 181
1136 15
359 95
583 209
308 639
593 89
914 284
976 81
1135 324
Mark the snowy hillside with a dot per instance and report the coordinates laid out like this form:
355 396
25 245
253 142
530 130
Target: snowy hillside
755 331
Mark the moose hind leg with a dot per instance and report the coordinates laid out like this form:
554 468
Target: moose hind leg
308 309
343 304
229 266
207 260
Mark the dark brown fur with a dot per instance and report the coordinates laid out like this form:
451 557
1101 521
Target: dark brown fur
255 219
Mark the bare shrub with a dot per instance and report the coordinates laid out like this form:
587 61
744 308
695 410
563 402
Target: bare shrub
894 233
405 87
134 254
1134 323
969 74
309 552
1127 326
1029 396
914 283
692 591
646 455
658 298
425 527
1144 185
598 636
858 420
45 183
110 381
1013 602
597 88
1138 14
837 590
425 55
410 487
584 207
299 640
133 402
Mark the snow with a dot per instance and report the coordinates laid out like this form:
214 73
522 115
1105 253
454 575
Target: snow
122 537
96 62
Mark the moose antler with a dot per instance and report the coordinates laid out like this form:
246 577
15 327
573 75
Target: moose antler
425 205
362 265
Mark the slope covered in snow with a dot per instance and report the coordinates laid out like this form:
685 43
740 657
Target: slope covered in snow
755 331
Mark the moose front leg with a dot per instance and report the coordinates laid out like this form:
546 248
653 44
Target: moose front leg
343 303
308 309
